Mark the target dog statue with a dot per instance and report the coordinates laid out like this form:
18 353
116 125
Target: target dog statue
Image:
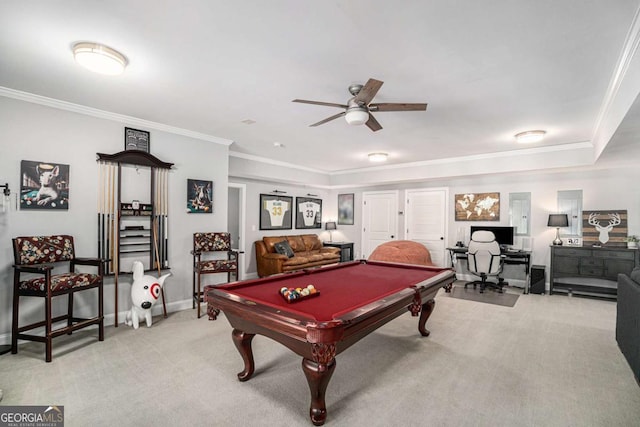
145 291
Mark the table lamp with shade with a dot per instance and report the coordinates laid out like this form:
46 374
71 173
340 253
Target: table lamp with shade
330 225
558 220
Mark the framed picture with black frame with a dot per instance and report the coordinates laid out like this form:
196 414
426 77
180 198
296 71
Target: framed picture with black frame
275 212
135 139
308 212
199 196
345 209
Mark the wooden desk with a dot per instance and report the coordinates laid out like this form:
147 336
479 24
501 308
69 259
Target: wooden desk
510 257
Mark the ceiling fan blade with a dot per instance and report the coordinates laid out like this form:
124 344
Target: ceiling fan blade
368 91
328 119
373 124
328 104
397 107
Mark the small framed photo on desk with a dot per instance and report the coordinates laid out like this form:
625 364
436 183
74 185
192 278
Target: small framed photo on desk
574 241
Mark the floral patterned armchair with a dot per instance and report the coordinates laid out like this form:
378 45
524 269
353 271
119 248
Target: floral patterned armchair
212 254
35 258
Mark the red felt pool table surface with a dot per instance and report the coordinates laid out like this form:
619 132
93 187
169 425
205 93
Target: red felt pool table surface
343 288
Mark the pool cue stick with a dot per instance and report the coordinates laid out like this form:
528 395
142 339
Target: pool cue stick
164 217
155 244
163 189
110 232
99 209
116 215
108 218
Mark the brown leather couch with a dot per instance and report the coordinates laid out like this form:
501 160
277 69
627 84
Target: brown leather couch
307 249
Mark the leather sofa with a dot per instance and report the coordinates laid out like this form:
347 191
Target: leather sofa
628 319
308 252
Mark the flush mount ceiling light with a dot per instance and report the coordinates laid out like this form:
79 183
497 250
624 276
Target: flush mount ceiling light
99 58
357 116
378 157
530 136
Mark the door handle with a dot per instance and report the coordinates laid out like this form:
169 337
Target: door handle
392 236
442 238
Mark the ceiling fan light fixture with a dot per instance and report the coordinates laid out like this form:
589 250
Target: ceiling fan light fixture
357 116
378 157
530 136
99 58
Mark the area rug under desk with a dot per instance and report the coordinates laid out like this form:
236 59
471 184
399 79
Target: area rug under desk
488 296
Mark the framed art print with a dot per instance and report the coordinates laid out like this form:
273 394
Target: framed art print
478 207
199 196
45 185
606 228
345 209
275 212
135 139
308 212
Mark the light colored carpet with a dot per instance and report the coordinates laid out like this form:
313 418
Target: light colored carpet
549 361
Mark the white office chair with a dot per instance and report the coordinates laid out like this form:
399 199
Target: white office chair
485 260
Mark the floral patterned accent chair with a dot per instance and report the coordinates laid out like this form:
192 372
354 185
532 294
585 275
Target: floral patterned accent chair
212 254
45 267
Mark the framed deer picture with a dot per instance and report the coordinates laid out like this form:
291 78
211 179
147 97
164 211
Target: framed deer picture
607 228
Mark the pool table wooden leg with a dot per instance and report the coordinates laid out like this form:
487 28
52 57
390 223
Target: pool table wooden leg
242 340
318 376
427 309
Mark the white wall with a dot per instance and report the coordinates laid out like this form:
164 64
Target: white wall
34 132
253 232
602 189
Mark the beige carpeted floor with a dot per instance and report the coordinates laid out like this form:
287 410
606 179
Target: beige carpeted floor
548 361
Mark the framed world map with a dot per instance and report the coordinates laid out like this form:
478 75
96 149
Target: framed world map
477 207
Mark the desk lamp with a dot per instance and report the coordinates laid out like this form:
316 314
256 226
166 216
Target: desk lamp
330 225
558 220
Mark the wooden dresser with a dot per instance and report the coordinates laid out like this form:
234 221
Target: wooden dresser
590 271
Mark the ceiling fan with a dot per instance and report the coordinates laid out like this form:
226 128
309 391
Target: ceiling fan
359 108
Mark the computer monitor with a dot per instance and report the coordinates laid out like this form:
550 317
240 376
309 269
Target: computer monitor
504 235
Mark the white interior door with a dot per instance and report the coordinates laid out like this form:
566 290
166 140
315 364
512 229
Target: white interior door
426 221
379 219
236 222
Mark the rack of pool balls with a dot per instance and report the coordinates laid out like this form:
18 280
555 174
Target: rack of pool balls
296 294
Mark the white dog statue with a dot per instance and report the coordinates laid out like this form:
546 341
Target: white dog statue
145 291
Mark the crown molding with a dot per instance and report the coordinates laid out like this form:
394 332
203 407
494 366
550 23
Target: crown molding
102 114
475 157
629 49
399 166
274 162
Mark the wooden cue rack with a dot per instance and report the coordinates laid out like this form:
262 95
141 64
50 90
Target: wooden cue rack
113 239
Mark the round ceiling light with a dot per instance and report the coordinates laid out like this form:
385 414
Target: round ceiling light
530 136
99 58
357 116
378 157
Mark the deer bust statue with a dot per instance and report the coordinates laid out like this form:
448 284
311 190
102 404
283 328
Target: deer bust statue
614 219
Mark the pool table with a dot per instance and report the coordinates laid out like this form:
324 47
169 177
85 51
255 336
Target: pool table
354 299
